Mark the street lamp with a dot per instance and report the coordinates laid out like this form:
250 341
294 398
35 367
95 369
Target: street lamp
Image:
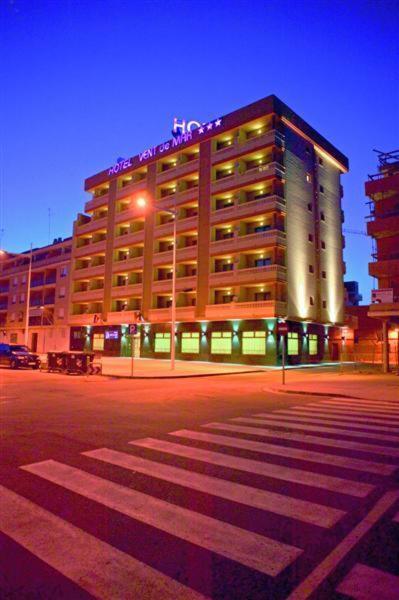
3 253
143 203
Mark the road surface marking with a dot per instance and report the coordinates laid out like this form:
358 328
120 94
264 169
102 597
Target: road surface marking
369 423
367 583
94 565
383 403
326 421
305 438
305 511
352 413
327 482
343 413
263 447
362 409
278 422
396 518
310 584
253 550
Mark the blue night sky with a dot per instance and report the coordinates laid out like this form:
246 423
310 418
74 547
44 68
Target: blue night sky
86 81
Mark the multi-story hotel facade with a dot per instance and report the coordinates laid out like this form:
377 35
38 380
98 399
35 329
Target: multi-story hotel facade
257 199
48 299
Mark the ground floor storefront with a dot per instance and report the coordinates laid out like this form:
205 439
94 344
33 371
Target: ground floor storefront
253 342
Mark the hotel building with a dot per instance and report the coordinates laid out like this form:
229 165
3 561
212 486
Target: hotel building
257 197
49 289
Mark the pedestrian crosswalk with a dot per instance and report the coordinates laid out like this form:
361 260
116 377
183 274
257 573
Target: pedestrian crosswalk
365 582
255 497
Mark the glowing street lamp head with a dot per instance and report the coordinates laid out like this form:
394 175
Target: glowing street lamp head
141 202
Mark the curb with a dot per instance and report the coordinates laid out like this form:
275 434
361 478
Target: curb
323 394
195 375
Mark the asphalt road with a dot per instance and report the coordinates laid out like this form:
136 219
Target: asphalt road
211 487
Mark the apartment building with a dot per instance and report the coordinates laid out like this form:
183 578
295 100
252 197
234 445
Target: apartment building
49 289
382 189
257 199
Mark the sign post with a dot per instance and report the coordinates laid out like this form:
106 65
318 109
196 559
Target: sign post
132 333
282 329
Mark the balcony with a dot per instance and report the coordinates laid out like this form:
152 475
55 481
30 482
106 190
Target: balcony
252 208
89 272
92 226
246 310
177 198
384 225
238 148
89 249
251 275
252 241
163 315
129 239
387 310
121 317
126 291
129 264
83 319
88 296
182 225
182 283
180 170
166 258
96 202
254 175
384 268
132 188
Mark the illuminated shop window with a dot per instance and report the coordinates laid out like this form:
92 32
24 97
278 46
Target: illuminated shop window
254 342
98 341
312 344
221 342
190 343
293 344
162 342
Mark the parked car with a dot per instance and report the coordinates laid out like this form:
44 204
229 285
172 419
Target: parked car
16 356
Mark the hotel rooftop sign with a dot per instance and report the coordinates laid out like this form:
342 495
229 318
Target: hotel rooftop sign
182 133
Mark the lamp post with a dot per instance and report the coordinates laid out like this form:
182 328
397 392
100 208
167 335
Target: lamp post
2 253
142 202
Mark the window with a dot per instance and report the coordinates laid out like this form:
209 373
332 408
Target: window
310 207
324 275
323 245
13 338
308 178
310 237
221 342
263 262
23 280
313 343
311 301
261 228
262 296
15 281
322 217
324 304
14 299
22 298
190 343
321 162
311 269
13 316
162 342
254 342
61 313
62 292
63 271
292 344
321 188
98 341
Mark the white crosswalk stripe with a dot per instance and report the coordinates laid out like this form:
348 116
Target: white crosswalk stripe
293 417
363 422
308 512
306 438
343 410
266 448
100 569
362 402
368 583
344 413
362 408
278 422
255 551
318 480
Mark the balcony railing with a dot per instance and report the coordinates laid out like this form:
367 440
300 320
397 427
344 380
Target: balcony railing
263 309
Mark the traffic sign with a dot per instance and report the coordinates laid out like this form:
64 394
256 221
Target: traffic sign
133 329
282 328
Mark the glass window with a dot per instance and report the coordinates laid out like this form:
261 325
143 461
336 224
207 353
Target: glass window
313 344
162 342
13 338
221 342
190 342
254 342
293 344
98 341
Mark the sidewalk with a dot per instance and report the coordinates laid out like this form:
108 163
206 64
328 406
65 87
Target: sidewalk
153 368
355 385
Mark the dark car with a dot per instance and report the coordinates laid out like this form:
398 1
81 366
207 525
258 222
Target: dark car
16 356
